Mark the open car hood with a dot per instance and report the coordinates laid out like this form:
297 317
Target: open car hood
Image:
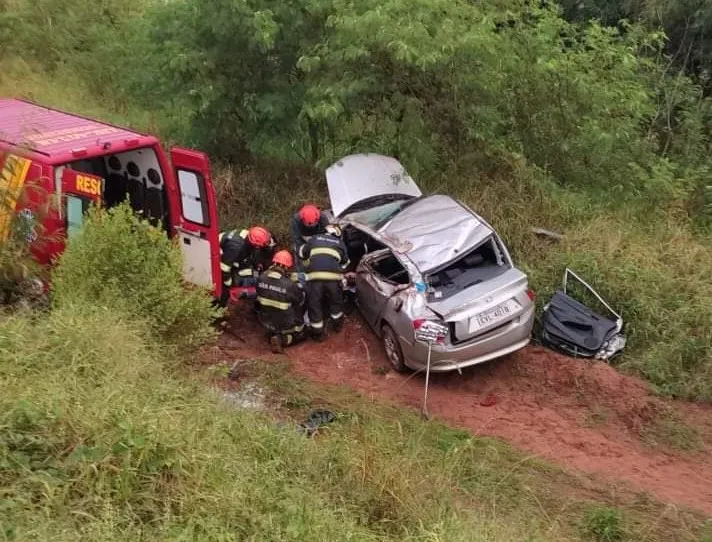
361 176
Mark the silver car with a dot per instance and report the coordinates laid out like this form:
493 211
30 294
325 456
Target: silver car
427 258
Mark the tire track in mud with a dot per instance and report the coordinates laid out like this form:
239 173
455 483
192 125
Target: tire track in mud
581 415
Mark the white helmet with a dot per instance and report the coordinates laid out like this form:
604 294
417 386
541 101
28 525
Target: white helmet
333 229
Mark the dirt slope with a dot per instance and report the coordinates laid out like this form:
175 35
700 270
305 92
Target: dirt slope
584 416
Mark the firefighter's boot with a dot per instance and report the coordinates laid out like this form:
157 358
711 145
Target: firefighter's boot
337 324
318 334
276 343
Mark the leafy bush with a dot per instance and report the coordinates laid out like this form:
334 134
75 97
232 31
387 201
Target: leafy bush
121 262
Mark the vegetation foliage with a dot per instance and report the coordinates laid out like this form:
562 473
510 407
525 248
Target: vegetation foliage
531 112
528 111
102 437
123 263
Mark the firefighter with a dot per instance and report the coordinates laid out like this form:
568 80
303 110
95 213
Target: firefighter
280 303
307 222
238 255
325 260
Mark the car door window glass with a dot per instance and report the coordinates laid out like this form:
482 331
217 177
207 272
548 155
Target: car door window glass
388 268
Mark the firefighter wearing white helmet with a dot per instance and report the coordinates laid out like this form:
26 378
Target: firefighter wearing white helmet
325 259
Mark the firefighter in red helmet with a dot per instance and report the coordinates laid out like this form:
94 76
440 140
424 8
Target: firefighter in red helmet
306 223
241 256
281 303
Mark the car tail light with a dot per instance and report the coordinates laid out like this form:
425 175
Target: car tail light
430 330
532 295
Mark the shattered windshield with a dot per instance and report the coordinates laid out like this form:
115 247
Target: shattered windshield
375 217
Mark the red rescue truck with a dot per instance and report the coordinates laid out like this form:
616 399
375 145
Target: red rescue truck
79 161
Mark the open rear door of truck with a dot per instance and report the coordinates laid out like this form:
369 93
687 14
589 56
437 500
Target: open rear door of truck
197 227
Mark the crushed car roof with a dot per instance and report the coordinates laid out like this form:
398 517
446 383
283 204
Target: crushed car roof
434 231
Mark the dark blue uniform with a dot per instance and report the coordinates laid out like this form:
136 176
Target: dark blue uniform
240 261
301 233
324 258
280 303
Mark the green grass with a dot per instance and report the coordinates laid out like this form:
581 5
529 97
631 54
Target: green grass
104 439
604 524
668 430
65 89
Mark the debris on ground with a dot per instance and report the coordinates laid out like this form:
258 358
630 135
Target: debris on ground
572 328
541 232
315 420
248 396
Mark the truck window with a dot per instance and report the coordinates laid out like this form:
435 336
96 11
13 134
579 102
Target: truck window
193 200
76 207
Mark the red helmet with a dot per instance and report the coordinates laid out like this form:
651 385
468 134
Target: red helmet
283 258
258 237
309 215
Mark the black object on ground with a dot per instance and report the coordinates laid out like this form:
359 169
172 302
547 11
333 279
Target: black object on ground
315 420
572 328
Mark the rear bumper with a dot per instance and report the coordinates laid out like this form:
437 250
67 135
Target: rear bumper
514 336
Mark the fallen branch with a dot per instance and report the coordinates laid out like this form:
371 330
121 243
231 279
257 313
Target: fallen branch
546 233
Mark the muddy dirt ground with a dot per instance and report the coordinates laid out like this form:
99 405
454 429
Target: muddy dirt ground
584 416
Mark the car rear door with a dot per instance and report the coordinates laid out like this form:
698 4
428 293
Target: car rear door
197 226
373 290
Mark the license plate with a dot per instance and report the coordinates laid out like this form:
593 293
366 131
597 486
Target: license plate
492 316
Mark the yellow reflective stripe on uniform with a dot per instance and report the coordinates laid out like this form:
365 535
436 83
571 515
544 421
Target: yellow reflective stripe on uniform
324 275
281 305
274 275
244 233
325 252
337 315
245 272
225 268
317 325
228 282
294 277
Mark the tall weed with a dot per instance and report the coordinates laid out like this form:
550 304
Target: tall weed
102 441
121 262
103 438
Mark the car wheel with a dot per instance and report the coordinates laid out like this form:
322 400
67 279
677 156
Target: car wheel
393 349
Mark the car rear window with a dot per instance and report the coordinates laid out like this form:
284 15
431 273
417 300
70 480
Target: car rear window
484 262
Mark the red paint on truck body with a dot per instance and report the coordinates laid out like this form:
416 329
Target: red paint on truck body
37 143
